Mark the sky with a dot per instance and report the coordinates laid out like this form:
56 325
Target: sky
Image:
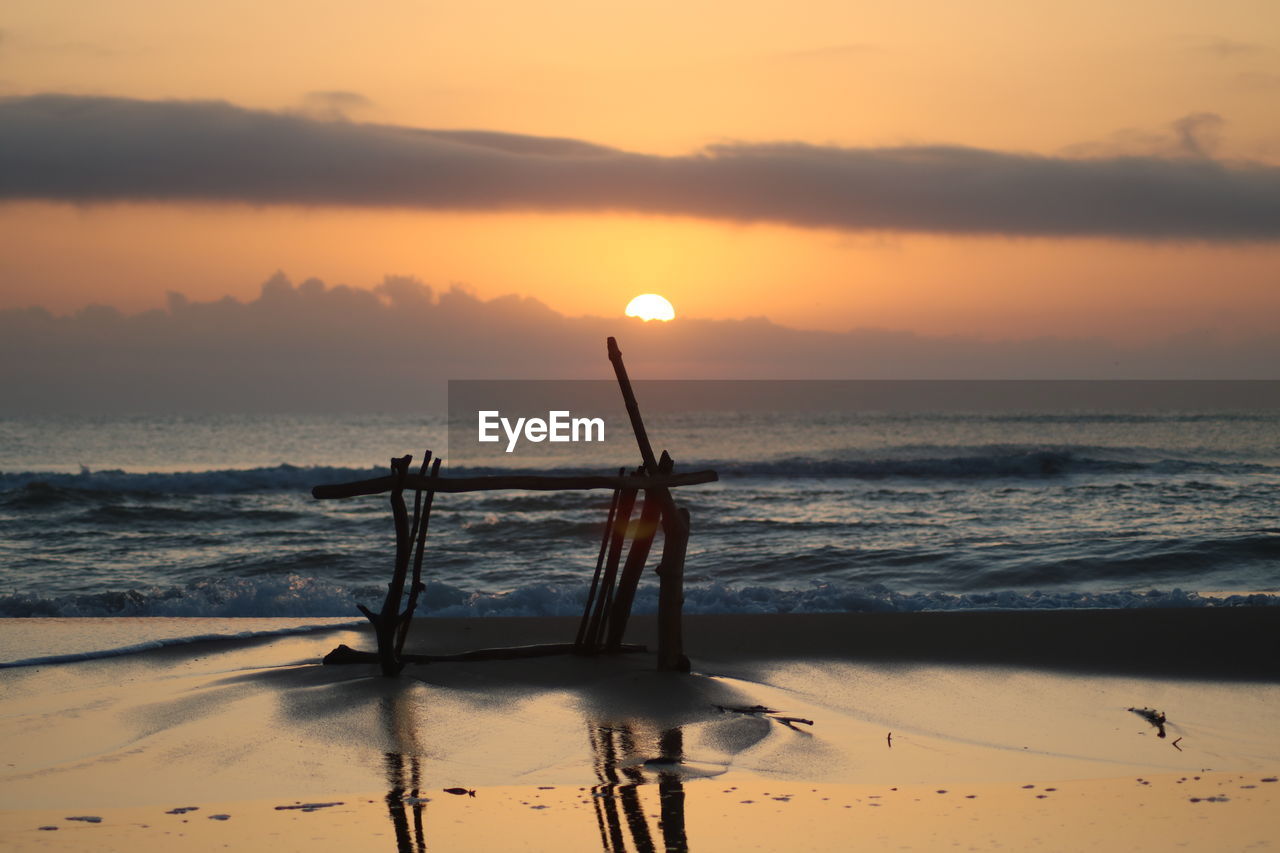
1068 182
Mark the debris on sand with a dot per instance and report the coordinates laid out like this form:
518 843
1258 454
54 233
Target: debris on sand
1154 717
744 709
761 710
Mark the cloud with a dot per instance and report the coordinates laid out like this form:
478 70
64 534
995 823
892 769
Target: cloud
1225 48
87 149
1193 135
1258 81
336 105
1197 133
313 347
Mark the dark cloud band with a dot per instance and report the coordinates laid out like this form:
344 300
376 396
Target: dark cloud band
87 149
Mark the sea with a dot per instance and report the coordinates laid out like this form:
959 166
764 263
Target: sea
865 497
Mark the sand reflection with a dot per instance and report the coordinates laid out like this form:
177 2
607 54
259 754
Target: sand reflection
405 803
619 806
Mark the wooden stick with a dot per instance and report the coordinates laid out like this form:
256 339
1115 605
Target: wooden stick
595 578
675 523
515 482
675 541
604 603
650 515
402 631
417 498
385 624
633 408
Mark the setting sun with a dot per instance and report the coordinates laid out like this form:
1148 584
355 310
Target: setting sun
651 306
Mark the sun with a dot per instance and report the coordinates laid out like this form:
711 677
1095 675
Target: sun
651 306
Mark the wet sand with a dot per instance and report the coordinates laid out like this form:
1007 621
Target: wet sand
927 730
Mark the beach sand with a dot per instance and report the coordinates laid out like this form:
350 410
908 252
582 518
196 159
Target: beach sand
929 731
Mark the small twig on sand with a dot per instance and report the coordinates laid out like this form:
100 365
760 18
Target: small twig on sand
1154 717
745 709
761 710
790 721
1175 745
889 739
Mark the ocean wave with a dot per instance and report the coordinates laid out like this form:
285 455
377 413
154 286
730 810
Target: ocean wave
290 595
48 487
35 489
995 464
297 596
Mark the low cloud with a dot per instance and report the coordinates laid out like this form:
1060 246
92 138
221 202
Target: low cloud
1258 81
312 347
1194 135
87 149
335 105
1198 133
1226 48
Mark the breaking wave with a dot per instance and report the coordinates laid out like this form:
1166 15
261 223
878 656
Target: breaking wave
46 488
295 596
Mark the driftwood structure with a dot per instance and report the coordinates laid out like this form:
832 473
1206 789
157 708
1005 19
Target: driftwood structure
613 586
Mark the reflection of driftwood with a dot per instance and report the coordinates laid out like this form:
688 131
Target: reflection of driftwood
620 811
1154 717
404 778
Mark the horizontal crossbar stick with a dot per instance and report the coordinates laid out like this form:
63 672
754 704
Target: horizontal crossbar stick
527 482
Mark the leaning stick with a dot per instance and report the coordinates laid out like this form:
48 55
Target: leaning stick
675 522
633 408
417 497
384 623
400 515
595 578
618 535
421 546
650 517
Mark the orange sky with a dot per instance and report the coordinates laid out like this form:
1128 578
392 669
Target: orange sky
1089 78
